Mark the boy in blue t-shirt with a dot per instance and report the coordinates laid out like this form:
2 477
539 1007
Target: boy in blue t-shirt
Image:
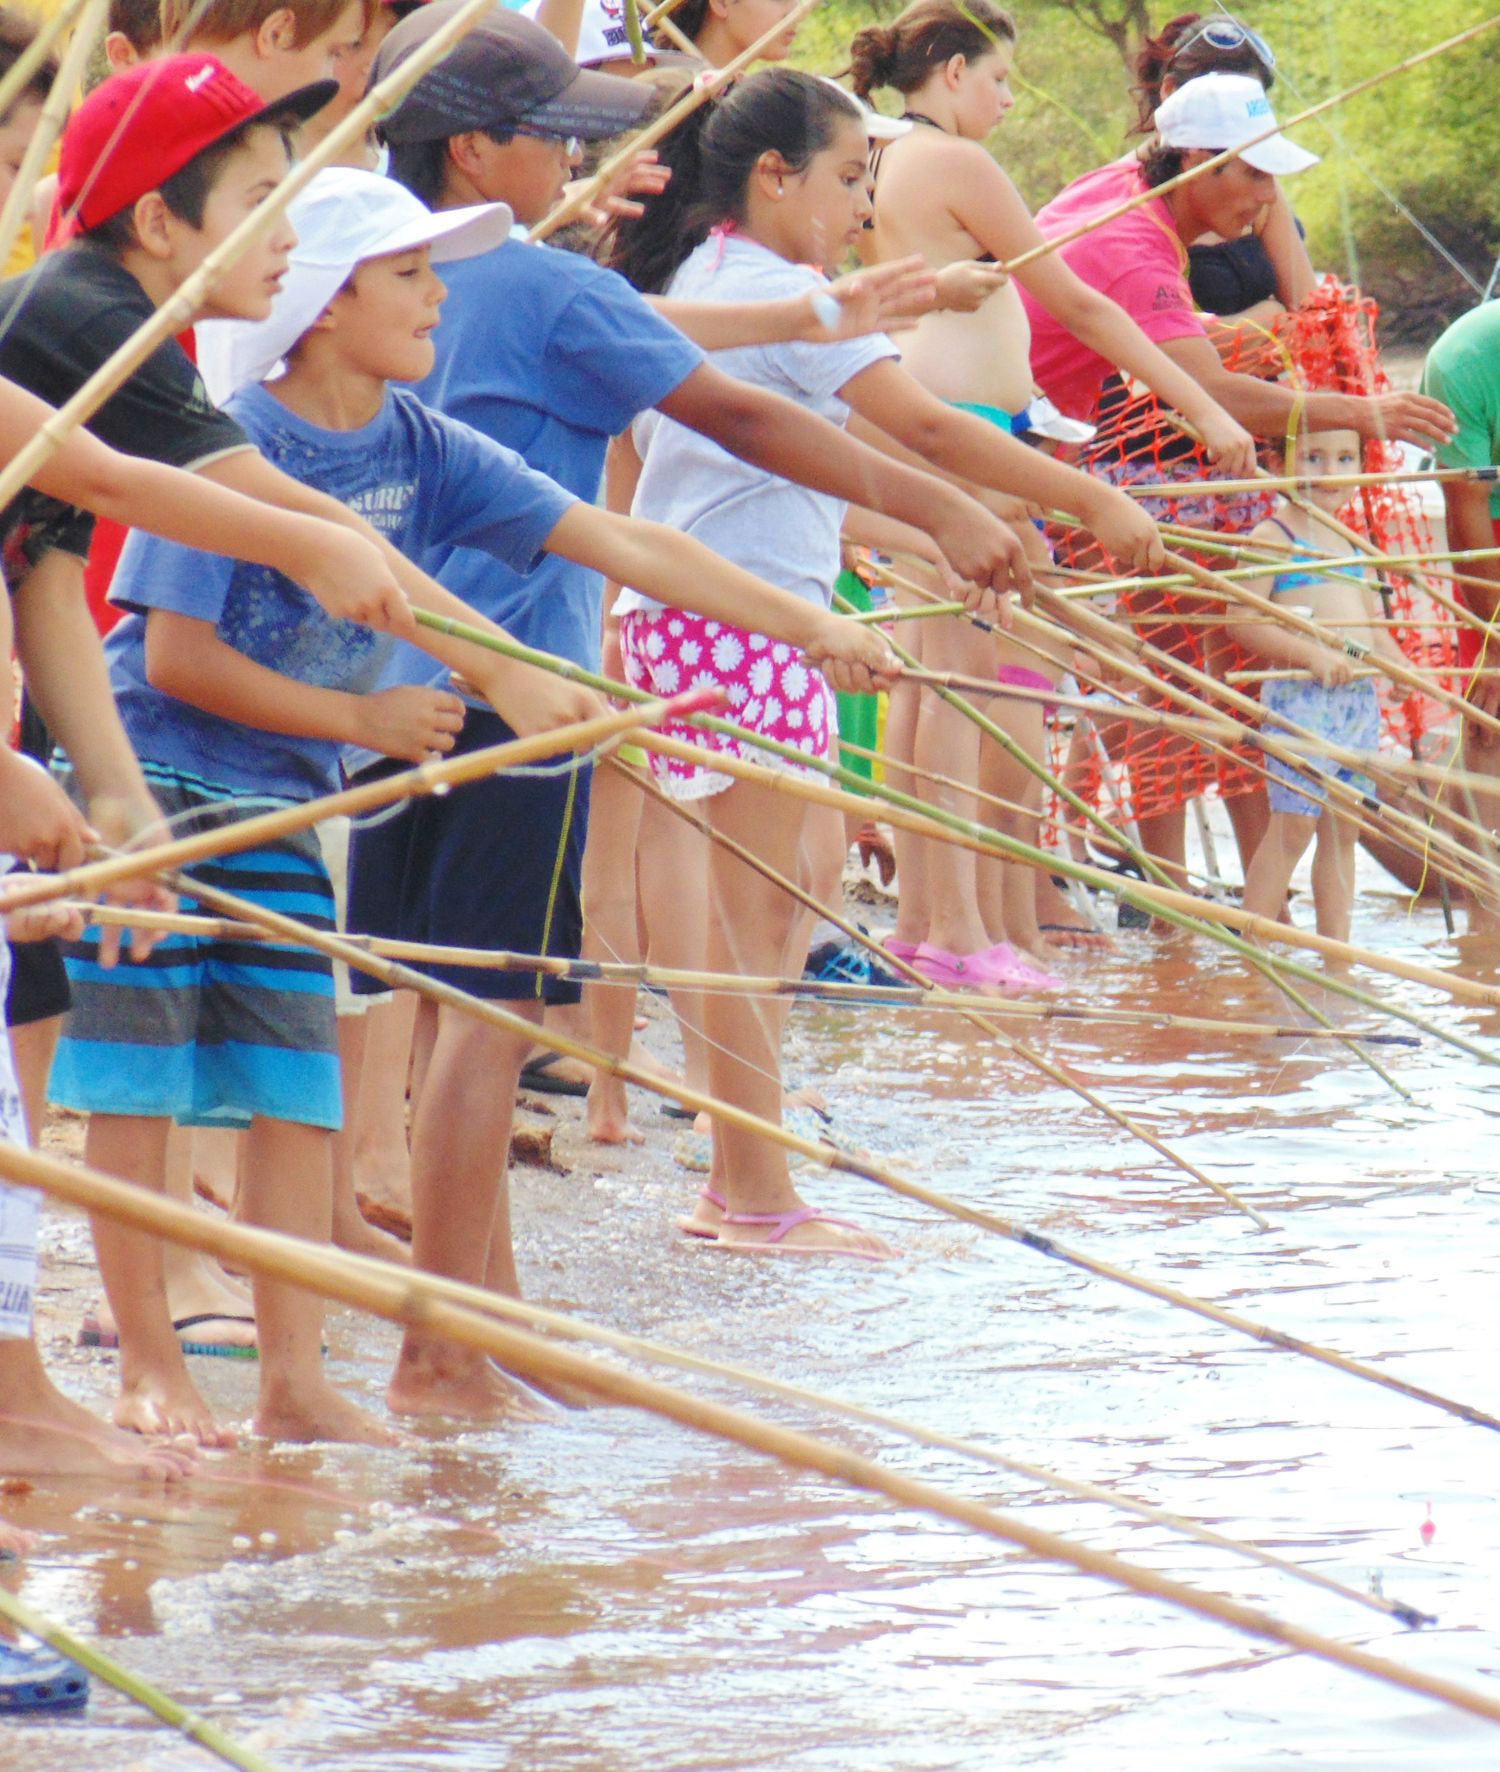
242 1034
226 1033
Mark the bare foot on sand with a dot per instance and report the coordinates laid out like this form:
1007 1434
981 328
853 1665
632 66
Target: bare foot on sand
609 1114
317 1411
16 1543
439 1378
51 1436
160 1404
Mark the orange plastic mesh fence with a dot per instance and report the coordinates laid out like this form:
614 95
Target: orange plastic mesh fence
1131 773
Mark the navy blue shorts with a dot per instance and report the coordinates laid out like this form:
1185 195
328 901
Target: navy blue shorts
497 863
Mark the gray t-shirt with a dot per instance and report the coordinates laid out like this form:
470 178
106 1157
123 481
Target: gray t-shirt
785 533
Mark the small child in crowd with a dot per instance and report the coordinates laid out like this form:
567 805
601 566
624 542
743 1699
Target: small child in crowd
1324 692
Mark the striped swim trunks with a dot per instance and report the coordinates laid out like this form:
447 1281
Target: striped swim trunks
211 1032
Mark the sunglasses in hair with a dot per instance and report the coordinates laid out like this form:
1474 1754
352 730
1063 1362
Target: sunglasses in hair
1228 34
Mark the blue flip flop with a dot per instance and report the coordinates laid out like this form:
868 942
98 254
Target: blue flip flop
34 1680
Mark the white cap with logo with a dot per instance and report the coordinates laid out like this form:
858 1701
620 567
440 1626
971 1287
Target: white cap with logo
343 217
1218 111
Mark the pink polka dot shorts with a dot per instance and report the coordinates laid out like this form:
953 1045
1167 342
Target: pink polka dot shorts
771 688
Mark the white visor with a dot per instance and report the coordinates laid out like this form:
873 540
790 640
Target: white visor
878 127
1219 111
344 217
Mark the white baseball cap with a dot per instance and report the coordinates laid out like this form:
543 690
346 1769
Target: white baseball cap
345 216
878 126
1220 111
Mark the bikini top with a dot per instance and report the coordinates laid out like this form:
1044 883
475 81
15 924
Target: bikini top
1294 580
985 258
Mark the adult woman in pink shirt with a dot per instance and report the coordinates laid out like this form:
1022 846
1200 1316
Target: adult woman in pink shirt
1139 260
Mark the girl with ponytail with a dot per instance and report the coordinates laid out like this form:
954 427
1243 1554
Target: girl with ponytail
939 193
769 183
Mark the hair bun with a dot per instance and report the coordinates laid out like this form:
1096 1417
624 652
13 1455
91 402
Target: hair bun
872 58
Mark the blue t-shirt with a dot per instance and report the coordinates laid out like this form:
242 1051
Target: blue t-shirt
551 355
422 480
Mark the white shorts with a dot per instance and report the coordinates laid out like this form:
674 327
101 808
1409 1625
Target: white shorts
333 839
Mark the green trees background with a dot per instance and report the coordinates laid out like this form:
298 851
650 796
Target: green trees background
1427 141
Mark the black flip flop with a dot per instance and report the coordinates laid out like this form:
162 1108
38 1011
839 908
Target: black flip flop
225 1349
535 1077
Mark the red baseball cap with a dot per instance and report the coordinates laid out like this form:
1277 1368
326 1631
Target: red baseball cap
140 127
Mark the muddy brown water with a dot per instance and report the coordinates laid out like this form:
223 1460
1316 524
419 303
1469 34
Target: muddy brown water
608 1593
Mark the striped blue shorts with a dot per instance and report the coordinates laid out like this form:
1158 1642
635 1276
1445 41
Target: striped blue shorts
211 1032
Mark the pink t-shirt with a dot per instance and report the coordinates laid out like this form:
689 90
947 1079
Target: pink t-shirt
1136 261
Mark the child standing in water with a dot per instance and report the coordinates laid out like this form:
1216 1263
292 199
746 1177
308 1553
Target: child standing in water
1329 700
767 183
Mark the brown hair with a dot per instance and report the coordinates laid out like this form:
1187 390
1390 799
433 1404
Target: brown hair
138 21
17 34
221 21
929 33
1159 56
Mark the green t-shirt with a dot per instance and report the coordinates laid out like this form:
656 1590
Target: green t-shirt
1463 371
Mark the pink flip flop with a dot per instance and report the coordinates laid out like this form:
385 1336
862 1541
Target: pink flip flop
784 1222
695 1227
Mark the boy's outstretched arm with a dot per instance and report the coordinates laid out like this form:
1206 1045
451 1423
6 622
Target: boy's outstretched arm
529 700
676 569
344 572
186 659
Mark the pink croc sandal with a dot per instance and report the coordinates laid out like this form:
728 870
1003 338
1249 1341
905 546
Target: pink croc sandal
1002 965
695 1227
784 1222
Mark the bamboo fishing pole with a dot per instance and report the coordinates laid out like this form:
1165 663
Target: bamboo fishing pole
1209 541
1280 482
902 966
708 86
633 1347
1301 624
1217 735
828 1155
1425 836
1143 860
437 777
50 31
1178 908
403 1295
59 102
1222 159
1356 805
635 974
926 821
1360 806
202 1730
182 307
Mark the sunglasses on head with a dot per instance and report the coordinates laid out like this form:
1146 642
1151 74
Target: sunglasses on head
1228 34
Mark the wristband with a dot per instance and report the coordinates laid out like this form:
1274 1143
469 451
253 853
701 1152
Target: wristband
826 311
